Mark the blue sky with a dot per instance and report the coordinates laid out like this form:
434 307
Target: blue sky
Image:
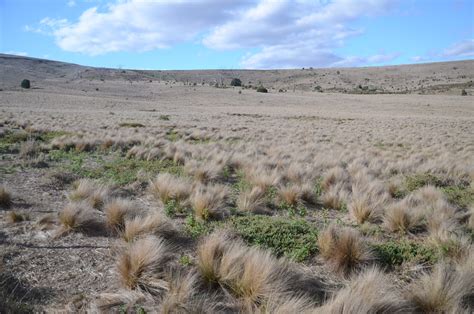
233 34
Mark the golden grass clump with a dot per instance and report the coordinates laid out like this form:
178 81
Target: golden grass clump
116 213
284 304
289 194
400 217
444 290
252 200
79 217
203 173
367 201
250 274
335 197
209 202
369 292
5 197
92 192
343 249
167 187
209 255
154 223
143 263
182 294
334 176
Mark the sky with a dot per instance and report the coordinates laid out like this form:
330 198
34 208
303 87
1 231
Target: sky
238 34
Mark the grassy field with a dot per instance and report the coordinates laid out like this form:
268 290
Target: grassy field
181 198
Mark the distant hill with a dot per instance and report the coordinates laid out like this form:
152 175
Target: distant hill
428 78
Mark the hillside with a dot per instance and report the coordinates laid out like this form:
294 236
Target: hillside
429 78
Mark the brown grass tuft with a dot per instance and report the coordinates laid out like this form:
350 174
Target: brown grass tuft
117 211
209 202
444 290
343 249
79 217
143 263
5 197
154 223
92 192
335 197
369 292
252 200
250 274
167 187
399 217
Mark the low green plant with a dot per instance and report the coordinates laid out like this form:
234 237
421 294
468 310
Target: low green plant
293 238
394 253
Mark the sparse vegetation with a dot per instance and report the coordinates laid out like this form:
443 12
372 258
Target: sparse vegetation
25 83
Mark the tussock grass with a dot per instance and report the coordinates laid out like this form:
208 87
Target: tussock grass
334 176
117 211
209 202
79 217
369 292
344 249
143 265
399 217
250 274
167 187
152 224
5 197
446 289
335 197
90 191
252 201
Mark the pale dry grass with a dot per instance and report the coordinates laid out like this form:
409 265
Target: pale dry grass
117 211
167 187
344 249
400 217
370 292
143 265
152 224
94 193
446 289
79 216
252 200
209 202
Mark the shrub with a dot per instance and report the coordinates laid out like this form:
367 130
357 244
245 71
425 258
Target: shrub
394 253
236 82
25 83
262 89
463 92
295 239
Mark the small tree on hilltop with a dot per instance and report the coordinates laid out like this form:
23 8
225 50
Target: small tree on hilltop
236 82
25 83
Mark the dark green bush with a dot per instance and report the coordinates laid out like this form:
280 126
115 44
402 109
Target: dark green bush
25 83
262 89
236 82
463 92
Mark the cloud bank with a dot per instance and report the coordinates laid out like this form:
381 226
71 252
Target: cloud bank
281 34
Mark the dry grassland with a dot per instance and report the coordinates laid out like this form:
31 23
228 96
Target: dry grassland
170 197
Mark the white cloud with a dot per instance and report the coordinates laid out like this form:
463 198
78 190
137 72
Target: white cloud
283 33
461 49
139 25
16 53
71 3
